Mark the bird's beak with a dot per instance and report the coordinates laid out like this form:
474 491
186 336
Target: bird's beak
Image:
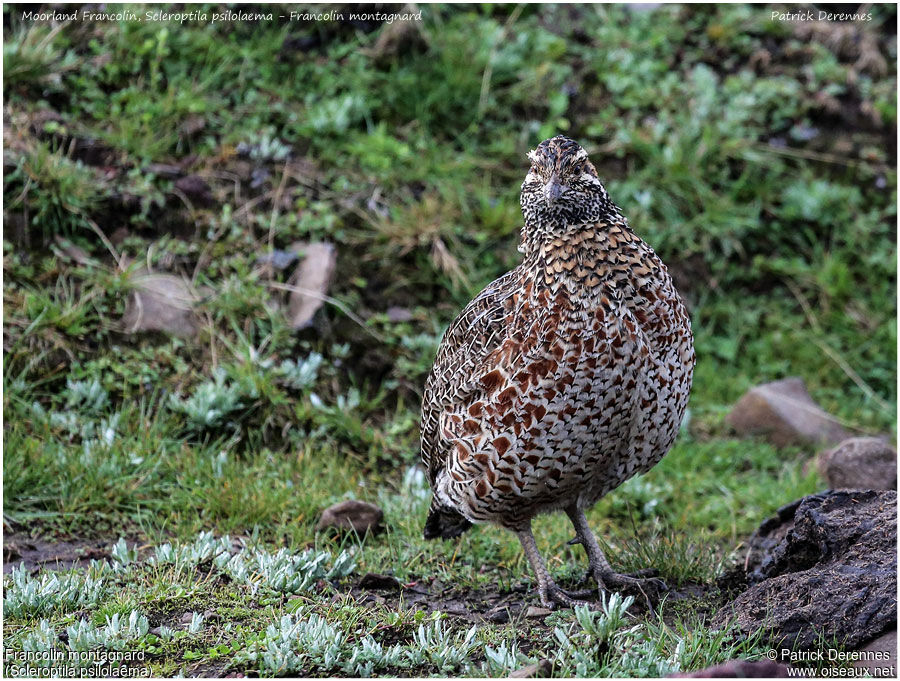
553 189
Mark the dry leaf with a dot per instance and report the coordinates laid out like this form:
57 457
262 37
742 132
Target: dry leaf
310 281
161 302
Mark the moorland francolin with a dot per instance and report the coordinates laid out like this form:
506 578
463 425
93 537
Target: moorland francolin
563 378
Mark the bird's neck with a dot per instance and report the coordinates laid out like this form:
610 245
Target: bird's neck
583 260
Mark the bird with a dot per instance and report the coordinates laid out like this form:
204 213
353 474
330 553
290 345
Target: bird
563 378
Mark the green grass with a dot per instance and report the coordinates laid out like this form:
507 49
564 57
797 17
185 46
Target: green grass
756 160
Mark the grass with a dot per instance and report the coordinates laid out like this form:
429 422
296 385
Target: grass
756 158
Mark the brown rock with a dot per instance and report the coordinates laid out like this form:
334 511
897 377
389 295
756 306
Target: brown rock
540 670
825 565
119 236
376 582
191 125
161 302
739 669
354 515
310 282
399 314
785 414
880 656
860 463
195 189
535 611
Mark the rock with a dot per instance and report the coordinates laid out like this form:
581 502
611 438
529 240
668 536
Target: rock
879 657
541 670
739 669
373 581
195 189
535 611
310 282
191 125
785 414
119 236
161 302
497 615
860 463
358 516
825 565
399 314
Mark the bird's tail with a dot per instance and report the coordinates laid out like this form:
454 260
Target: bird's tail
444 522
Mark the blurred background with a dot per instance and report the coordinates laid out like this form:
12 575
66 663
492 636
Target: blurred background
231 248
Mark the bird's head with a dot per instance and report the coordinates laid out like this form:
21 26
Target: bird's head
561 189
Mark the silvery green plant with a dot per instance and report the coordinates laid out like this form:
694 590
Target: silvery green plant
604 645
641 657
342 566
116 634
196 624
218 463
295 643
504 659
92 433
300 374
68 421
166 633
212 401
204 548
413 495
86 396
284 571
41 637
603 624
49 592
122 556
290 644
438 648
369 655
265 147
414 483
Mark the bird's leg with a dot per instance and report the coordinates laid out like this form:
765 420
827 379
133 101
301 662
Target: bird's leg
551 595
602 571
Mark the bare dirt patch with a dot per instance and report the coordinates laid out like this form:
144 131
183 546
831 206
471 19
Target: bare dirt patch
22 549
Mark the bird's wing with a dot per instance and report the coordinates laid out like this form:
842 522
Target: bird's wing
468 347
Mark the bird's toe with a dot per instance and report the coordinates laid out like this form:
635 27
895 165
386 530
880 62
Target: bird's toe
638 582
554 597
581 594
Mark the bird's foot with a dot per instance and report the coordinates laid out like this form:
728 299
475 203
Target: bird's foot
613 581
644 582
581 594
553 596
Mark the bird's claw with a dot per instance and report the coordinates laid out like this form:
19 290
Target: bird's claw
554 597
639 581
581 594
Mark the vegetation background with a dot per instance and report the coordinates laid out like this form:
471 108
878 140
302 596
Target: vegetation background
757 156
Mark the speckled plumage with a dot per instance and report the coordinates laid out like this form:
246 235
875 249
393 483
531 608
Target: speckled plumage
564 377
